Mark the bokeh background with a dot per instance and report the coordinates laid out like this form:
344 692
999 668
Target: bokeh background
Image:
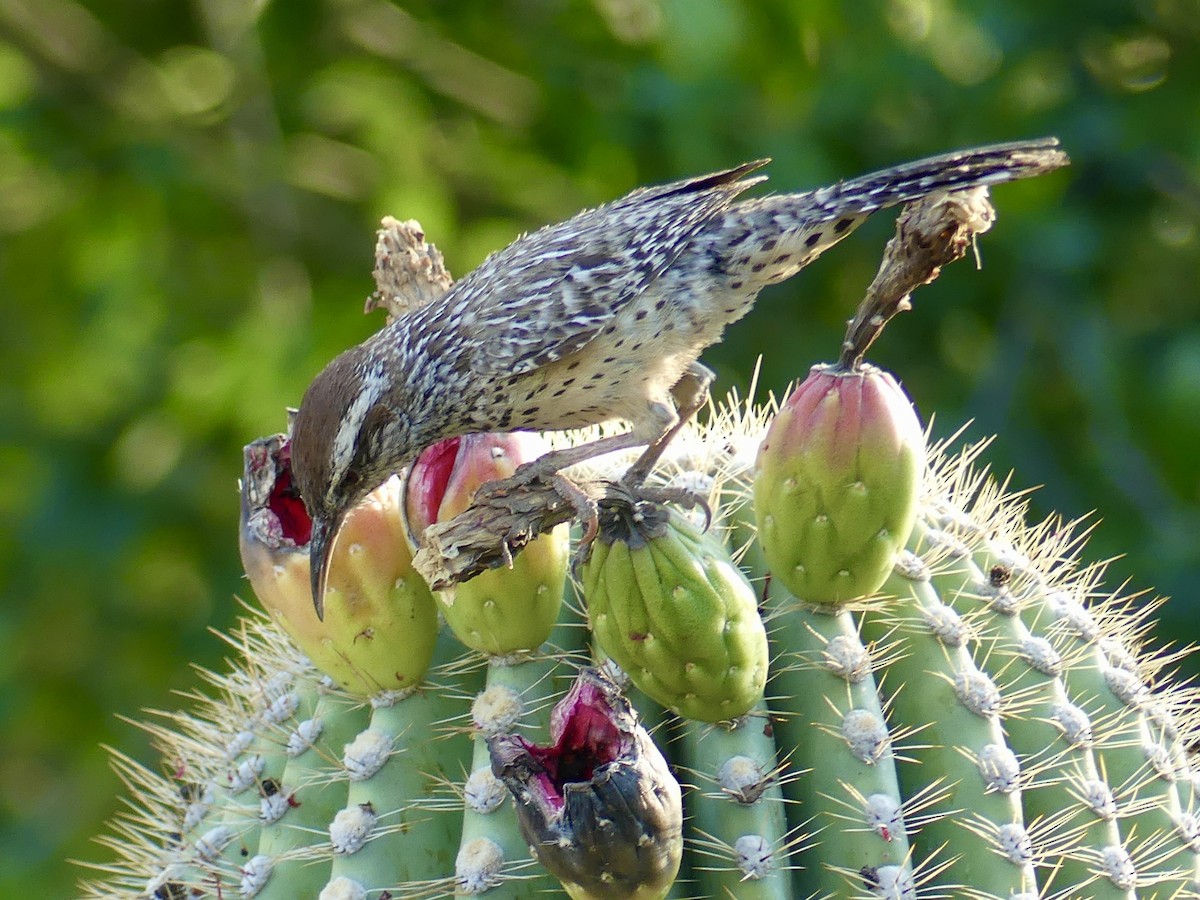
188 192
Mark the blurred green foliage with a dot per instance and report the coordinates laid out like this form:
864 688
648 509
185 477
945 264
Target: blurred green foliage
188 193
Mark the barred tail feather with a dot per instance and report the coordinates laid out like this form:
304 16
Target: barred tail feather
772 238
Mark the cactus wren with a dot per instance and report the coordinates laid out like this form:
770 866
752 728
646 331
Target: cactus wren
600 317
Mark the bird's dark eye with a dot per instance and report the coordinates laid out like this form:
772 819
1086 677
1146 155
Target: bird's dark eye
351 478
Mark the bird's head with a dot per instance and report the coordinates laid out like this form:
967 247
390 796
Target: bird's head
351 434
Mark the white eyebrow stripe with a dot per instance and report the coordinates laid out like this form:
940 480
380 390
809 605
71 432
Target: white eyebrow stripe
372 383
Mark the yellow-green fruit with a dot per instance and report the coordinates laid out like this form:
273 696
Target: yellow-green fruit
380 621
673 610
499 611
837 481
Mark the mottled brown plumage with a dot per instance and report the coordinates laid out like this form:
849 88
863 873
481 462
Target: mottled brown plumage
593 319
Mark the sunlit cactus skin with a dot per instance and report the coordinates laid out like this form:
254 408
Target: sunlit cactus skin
986 724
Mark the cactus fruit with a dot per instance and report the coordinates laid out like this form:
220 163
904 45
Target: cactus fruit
599 806
979 726
670 607
499 611
381 625
839 473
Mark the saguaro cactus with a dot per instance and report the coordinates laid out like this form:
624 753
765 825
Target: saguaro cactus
957 710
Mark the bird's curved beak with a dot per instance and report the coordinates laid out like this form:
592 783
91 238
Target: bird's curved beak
320 549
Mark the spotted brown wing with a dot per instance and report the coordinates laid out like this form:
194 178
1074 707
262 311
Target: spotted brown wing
551 292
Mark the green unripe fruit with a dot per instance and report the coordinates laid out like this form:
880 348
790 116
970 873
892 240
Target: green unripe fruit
837 482
673 610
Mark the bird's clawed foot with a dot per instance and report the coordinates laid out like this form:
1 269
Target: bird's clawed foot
681 496
587 510
544 471
541 469
626 508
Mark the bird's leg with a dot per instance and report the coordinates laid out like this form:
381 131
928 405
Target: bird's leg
547 468
586 509
550 464
690 394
